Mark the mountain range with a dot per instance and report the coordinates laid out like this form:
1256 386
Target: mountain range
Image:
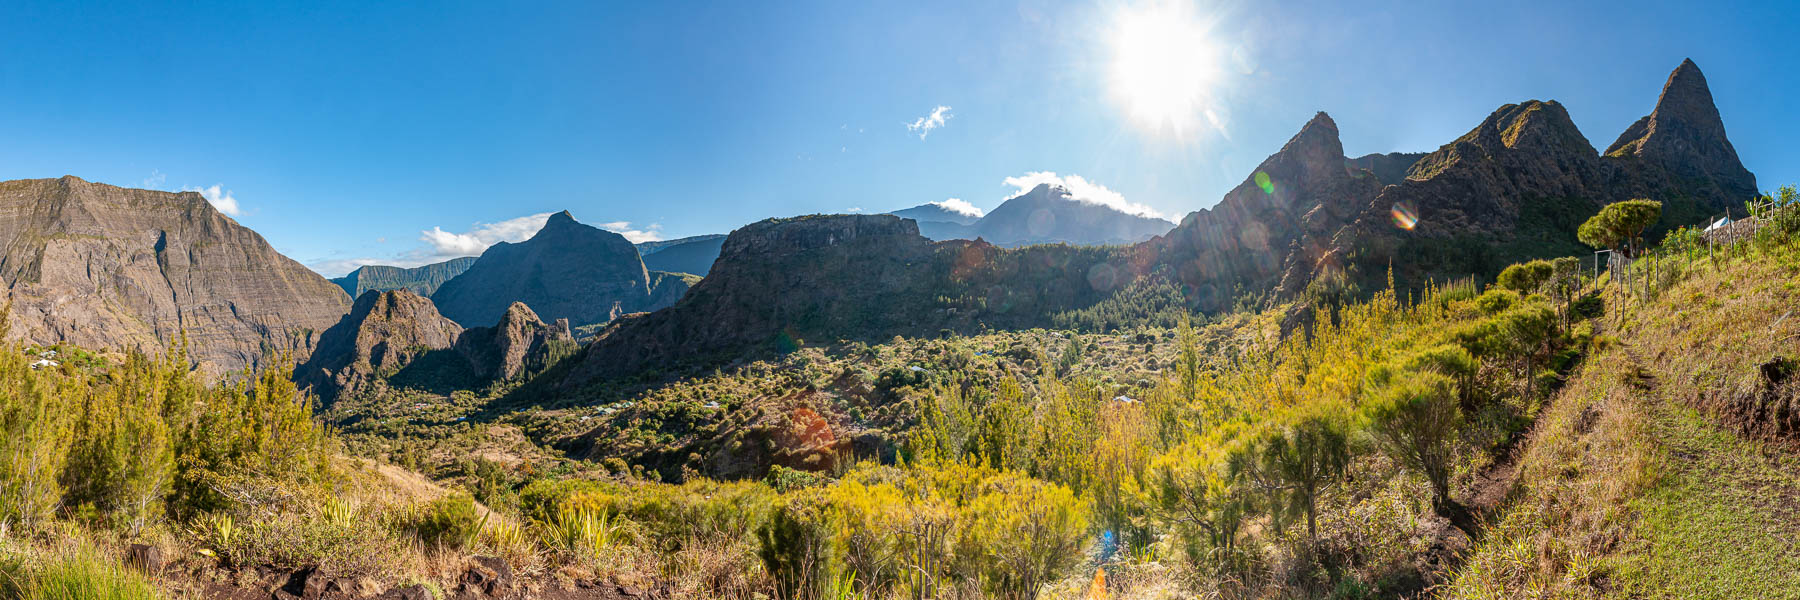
104 266
1515 187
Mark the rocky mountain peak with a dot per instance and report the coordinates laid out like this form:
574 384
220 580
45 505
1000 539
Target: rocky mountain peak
569 270
1686 135
560 219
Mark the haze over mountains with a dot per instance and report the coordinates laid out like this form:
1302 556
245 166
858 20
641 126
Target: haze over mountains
1045 214
110 267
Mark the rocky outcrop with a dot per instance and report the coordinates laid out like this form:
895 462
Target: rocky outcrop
567 271
503 351
1681 148
419 280
107 267
397 339
384 332
1275 227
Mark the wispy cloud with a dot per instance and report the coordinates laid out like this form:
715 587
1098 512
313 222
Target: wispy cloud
939 117
154 181
636 236
959 206
220 199
1081 190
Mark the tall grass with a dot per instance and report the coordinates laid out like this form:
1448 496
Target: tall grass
80 574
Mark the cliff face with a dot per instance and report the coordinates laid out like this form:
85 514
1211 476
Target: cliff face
419 280
503 351
1273 228
1680 149
109 267
567 271
397 339
384 332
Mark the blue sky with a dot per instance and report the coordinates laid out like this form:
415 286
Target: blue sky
398 134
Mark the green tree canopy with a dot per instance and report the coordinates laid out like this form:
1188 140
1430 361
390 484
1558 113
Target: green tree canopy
1619 224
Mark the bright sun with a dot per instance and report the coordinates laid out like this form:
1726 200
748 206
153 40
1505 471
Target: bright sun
1164 66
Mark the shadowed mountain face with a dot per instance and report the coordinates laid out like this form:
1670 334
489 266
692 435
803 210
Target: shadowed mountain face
1513 188
109 267
418 280
567 271
397 338
1045 215
692 255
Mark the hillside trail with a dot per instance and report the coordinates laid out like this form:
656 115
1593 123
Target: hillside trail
1724 510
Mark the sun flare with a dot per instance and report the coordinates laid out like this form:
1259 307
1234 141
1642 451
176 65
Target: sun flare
1164 66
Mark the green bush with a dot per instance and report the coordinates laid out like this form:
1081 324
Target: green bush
450 522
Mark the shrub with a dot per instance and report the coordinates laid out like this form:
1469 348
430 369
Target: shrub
450 521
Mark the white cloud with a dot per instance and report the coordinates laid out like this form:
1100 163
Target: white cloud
636 236
440 245
1081 190
939 117
445 245
959 206
154 181
221 200
854 209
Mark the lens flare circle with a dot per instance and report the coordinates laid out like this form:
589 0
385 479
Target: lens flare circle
1403 216
1263 181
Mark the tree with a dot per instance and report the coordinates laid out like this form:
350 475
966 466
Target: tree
1619 225
1413 418
1194 488
1526 277
1299 460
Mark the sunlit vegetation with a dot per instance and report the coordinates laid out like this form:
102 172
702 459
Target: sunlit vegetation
1462 442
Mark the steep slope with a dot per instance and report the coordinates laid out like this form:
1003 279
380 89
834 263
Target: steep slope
566 271
1680 151
385 331
1667 466
1049 214
1273 230
693 255
1519 185
109 267
418 280
396 338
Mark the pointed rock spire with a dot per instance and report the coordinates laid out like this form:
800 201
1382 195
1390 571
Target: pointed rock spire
1685 134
